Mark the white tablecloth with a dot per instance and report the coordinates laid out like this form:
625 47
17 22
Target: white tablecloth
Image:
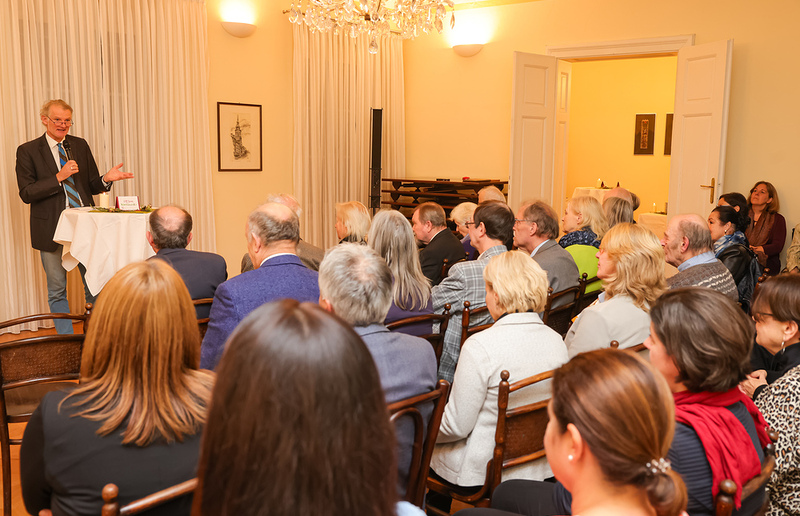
655 222
103 242
597 193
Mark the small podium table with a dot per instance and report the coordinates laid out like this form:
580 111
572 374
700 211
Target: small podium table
103 242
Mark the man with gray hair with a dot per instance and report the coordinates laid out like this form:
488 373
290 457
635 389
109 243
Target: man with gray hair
169 234
309 254
356 284
687 245
272 232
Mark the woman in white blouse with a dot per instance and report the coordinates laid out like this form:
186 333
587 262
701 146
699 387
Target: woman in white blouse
516 289
631 266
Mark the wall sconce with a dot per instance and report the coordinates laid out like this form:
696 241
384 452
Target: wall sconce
468 50
238 29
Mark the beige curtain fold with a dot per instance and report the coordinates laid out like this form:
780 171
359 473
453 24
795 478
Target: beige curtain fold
336 82
136 74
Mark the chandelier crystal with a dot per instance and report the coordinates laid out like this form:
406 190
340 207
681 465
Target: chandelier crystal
375 18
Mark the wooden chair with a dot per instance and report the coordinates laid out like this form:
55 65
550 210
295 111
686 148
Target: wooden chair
424 439
30 367
112 508
435 338
633 349
586 298
202 323
560 318
519 439
446 265
468 316
723 504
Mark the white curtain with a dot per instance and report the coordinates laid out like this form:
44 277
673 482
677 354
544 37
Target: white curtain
135 73
336 81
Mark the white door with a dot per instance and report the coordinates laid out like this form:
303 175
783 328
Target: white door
564 88
699 128
533 125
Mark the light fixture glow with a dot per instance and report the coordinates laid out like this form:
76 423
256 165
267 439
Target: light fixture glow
238 29
467 50
237 11
474 27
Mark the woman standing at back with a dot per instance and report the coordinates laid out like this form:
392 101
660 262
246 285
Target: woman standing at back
767 231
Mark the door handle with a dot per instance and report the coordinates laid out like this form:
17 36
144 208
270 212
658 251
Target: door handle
711 186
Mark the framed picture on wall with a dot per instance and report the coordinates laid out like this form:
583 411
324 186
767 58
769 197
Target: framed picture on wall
668 136
239 137
644 134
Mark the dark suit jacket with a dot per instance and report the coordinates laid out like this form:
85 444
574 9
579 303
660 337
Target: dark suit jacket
38 186
407 367
201 272
280 277
443 245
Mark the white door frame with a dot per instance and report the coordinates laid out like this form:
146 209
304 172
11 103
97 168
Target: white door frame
646 47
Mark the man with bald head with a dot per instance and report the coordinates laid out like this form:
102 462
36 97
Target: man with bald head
169 234
622 193
687 245
272 233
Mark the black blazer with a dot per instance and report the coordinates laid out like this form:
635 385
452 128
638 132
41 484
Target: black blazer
443 245
38 186
201 272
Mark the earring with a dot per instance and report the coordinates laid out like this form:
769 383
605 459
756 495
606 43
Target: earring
570 457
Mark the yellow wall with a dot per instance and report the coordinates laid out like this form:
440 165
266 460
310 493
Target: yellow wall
602 120
458 110
254 70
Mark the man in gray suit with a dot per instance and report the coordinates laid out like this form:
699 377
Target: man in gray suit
356 284
535 231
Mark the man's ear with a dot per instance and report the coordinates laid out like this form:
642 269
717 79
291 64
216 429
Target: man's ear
149 236
534 229
189 238
684 244
326 305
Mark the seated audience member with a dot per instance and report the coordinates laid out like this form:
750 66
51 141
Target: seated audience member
491 193
617 210
793 253
535 232
136 417
356 284
492 227
776 311
622 193
461 215
631 266
516 289
687 246
611 462
767 231
584 222
778 402
736 201
304 385
309 254
391 236
430 229
272 232
730 247
169 234
352 222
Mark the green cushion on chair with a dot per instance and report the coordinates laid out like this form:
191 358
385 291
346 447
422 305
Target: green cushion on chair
585 257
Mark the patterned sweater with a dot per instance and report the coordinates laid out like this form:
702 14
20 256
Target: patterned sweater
713 275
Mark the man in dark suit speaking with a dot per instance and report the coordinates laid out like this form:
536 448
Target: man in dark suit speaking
170 232
55 172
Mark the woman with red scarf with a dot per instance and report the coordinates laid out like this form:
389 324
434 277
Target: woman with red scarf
767 231
700 341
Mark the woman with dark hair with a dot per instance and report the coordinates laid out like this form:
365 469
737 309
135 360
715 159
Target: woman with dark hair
727 228
136 417
776 311
767 230
298 424
735 200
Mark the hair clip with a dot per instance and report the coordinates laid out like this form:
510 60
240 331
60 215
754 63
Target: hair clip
661 465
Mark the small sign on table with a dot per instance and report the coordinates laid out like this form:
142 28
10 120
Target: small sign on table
128 203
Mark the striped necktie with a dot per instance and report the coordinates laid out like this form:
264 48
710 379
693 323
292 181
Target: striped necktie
69 183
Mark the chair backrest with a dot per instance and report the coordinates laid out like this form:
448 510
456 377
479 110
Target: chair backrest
723 504
436 338
586 298
447 265
560 317
519 437
112 508
202 322
633 349
468 316
425 433
586 260
84 318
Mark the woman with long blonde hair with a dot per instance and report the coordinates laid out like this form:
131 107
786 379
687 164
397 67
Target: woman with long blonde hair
631 266
136 417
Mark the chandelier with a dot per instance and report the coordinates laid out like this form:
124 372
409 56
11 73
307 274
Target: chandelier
375 18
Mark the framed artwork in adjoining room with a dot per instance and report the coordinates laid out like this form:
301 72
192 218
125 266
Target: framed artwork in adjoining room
668 135
644 134
239 137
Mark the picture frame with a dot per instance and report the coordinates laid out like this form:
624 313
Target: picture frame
239 137
668 135
644 134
